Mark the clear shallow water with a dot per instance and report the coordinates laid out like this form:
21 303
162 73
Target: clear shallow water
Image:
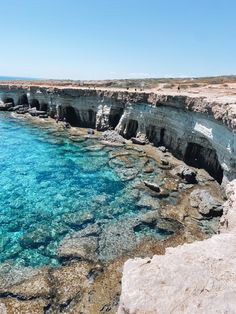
47 184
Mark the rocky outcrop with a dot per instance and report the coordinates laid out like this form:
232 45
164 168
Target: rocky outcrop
192 278
199 130
186 173
206 204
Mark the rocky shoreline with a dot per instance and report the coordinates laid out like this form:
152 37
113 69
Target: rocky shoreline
43 289
192 278
85 284
185 124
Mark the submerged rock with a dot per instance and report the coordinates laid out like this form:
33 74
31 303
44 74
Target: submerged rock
80 245
74 247
37 237
117 238
148 201
77 220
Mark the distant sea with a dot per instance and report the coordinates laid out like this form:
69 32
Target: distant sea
13 78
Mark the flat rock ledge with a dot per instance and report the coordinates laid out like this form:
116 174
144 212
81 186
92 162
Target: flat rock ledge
193 278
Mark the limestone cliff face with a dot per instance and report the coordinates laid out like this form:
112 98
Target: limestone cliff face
200 131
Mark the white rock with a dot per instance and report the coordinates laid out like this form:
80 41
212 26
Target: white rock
193 278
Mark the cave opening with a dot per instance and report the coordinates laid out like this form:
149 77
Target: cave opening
151 134
34 103
44 106
114 118
23 100
9 100
206 158
71 116
92 119
162 134
131 129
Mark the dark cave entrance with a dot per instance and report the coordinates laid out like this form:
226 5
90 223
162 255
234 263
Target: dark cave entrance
162 134
114 118
92 119
34 103
44 106
206 158
132 128
23 100
71 116
152 134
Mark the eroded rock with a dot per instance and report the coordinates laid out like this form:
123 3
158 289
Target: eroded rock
112 137
153 186
206 204
186 173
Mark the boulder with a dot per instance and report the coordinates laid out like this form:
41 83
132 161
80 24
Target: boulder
138 141
164 162
75 219
112 137
153 186
206 204
90 131
163 149
186 173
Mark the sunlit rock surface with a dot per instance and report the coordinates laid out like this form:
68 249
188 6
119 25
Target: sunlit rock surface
193 278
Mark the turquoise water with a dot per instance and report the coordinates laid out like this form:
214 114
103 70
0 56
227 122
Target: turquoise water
47 183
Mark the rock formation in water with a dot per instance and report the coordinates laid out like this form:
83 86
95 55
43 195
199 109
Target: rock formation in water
198 130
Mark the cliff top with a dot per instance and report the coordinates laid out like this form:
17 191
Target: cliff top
216 89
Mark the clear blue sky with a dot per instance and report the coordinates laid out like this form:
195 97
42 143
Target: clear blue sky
99 39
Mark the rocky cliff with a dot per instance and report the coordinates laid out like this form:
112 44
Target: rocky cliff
199 130
193 278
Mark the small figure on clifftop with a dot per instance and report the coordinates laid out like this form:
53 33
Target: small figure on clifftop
178 88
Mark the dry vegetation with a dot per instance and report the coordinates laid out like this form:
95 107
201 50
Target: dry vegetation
150 83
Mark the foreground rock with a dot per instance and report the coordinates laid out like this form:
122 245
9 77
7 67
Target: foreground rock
192 278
